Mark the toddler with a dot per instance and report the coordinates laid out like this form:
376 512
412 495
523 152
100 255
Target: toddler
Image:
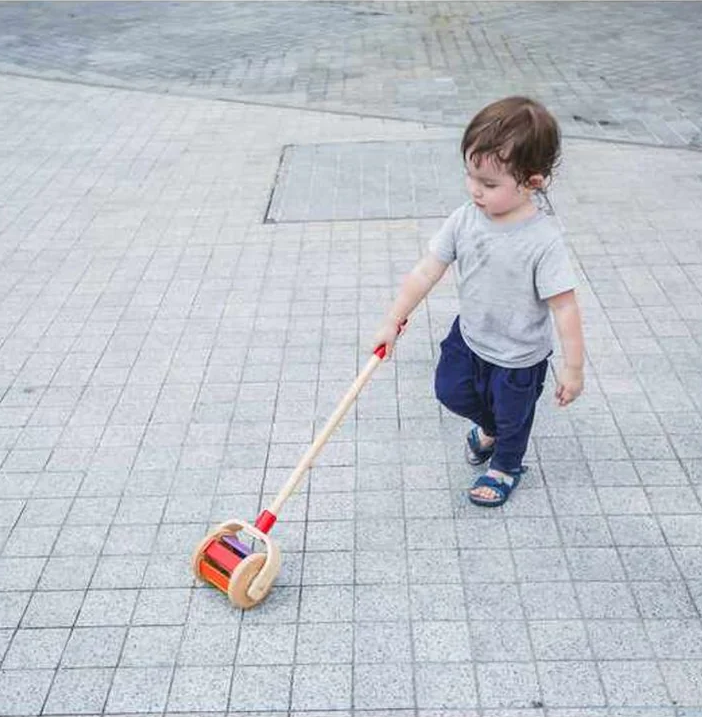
513 271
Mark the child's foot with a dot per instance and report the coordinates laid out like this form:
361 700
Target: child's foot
479 447
494 488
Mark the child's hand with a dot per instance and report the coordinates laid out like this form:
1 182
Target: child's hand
387 334
570 385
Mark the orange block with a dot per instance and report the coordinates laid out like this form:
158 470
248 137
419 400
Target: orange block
214 576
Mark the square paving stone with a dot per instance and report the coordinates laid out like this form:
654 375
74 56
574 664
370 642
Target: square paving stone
649 564
550 601
266 644
676 639
20 573
382 642
503 685
436 602
151 646
326 603
379 687
618 639
261 688
22 692
36 648
203 689
139 689
633 682
635 530
541 565
207 644
595 564
79 691
663 599
94 647
493 642
570 684
161 607
322 687
606 600
559 640
381 602
324 643
107 607
53 609
445 686
684 681
12 608
444 641
494 601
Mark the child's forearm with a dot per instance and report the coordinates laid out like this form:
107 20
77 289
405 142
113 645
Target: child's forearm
569 326
415 286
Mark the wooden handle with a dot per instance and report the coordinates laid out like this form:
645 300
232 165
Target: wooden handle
334 420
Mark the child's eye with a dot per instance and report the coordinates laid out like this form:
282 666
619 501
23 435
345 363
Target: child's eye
490 186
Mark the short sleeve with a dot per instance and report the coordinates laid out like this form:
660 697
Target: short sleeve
443 244
554 273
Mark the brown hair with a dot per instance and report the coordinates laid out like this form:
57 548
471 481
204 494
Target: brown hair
517 131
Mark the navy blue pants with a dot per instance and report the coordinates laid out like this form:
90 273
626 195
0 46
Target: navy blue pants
500 400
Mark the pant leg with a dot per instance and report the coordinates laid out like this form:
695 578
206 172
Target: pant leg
514 393
455 381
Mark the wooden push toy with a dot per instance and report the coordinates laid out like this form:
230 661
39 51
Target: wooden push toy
226 562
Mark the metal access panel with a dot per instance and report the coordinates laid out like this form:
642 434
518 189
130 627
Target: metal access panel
367 180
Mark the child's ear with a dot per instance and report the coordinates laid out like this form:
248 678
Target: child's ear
536 181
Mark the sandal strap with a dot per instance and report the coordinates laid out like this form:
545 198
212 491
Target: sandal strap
499 486
474 443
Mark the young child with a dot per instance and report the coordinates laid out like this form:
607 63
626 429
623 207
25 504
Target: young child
512 268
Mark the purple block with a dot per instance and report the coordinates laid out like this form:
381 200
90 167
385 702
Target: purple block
236 545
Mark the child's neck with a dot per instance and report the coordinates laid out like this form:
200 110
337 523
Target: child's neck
519 214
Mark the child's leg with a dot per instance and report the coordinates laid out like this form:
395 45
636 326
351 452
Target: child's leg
455 382
515 393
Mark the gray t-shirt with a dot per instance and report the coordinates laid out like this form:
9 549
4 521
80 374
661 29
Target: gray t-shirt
505 274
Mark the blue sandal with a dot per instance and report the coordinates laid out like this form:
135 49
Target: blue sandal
500 486
475 455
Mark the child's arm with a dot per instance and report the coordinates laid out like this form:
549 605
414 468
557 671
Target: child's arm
566 314
415 286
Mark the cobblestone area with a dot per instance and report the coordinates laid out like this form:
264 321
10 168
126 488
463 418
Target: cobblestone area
166 356
622 70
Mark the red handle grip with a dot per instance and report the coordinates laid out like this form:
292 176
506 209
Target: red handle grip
380 350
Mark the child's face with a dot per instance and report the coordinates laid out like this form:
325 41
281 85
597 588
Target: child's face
493 189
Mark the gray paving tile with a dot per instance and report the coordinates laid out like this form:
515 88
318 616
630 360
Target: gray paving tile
150 646
139 689
445 686
683 681
600 600
618 639
107 607
79 691
324 643
36 648
383 686
559 640
322 687
261 688
633 682
441 641
507 685
570 684
203 689
23 692
93 647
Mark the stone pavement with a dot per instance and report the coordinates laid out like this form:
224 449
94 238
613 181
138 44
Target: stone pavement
166 354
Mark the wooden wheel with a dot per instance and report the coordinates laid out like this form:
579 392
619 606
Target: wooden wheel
241 580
